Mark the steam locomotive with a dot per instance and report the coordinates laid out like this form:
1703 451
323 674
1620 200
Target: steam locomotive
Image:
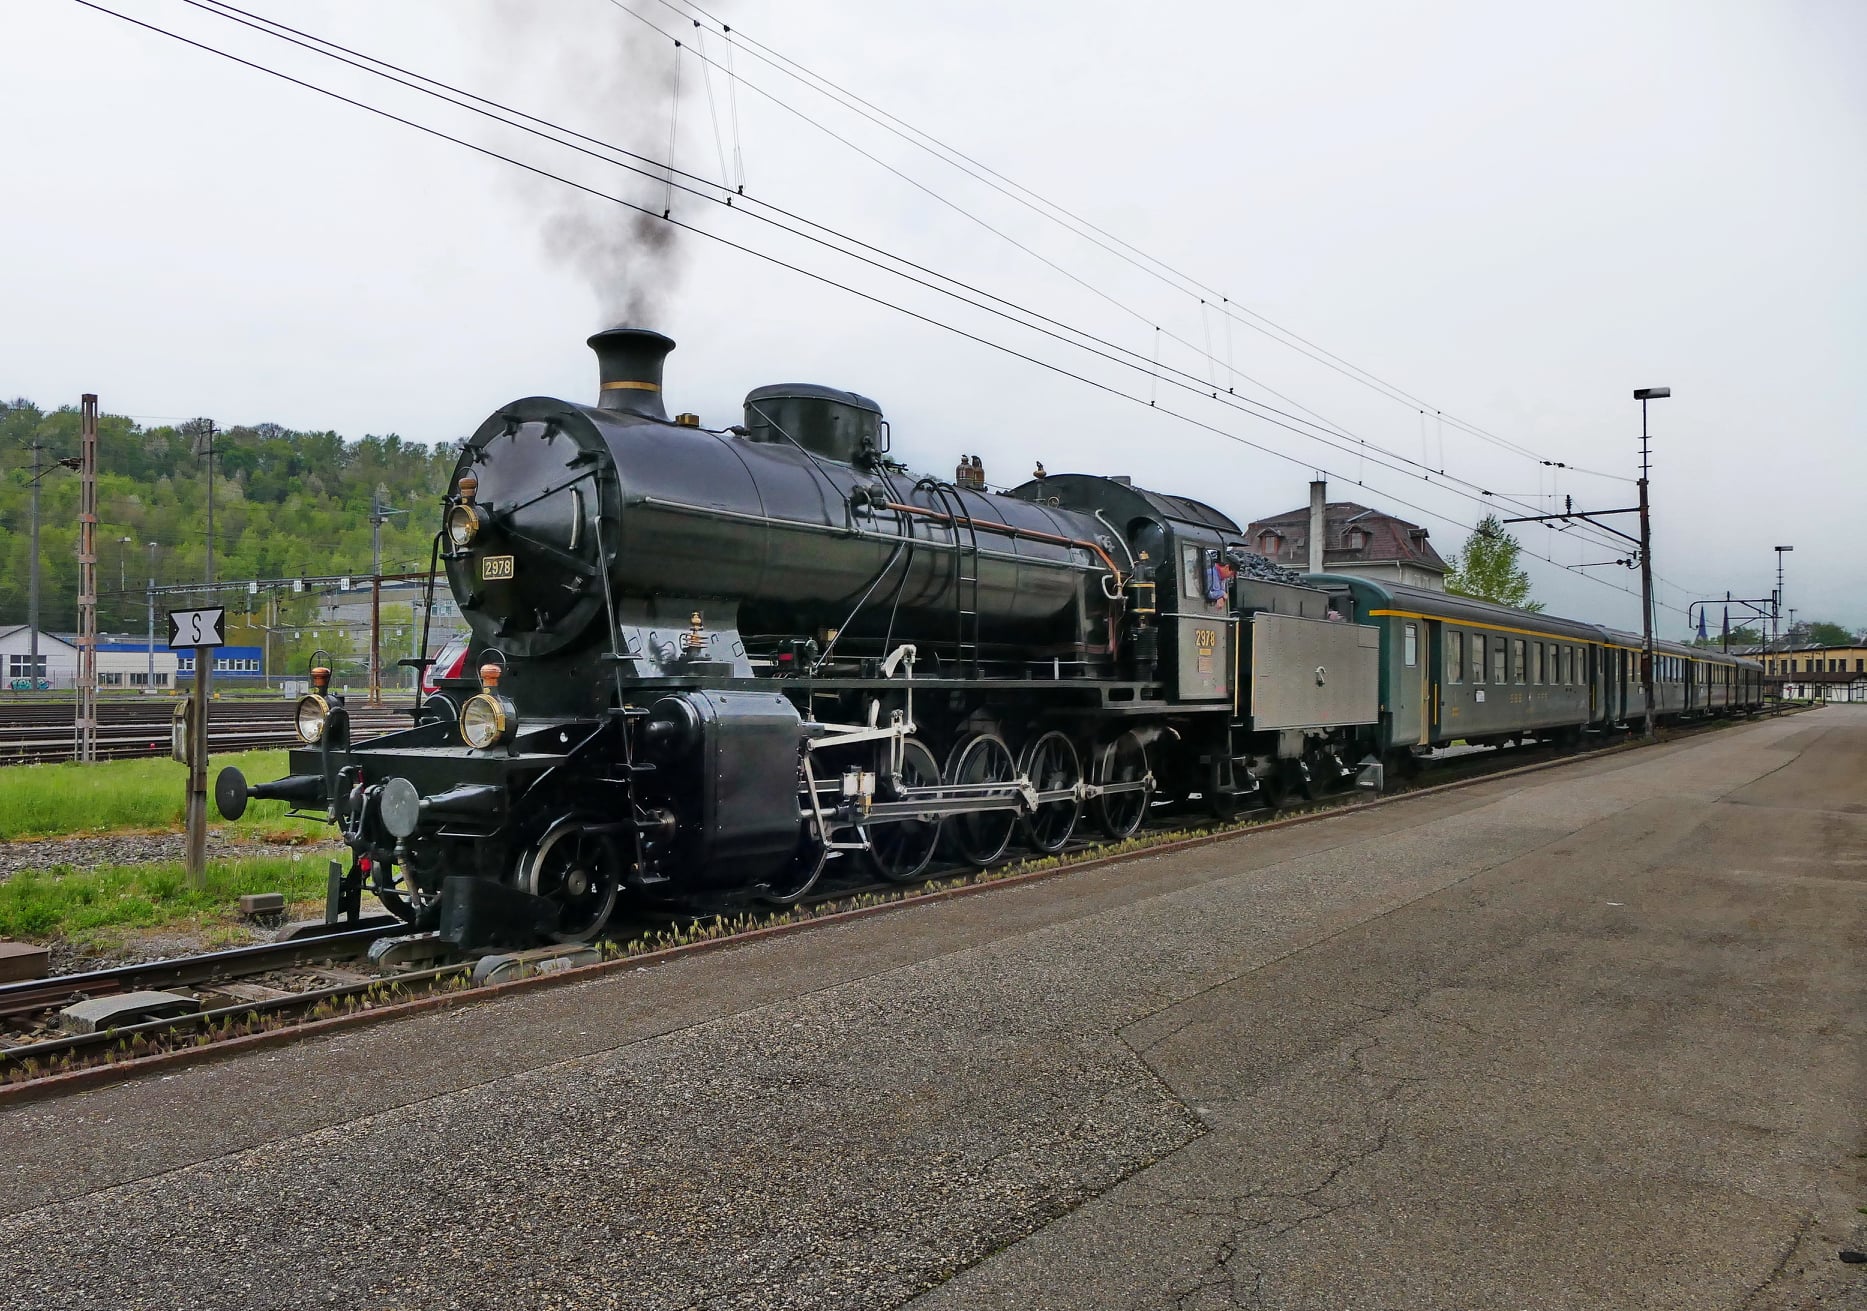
705 663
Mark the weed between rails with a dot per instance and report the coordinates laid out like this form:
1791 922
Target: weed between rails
721 927
181 1036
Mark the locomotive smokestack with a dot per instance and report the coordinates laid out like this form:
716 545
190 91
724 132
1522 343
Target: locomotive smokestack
629 361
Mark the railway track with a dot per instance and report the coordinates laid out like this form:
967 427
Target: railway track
38 732
271 990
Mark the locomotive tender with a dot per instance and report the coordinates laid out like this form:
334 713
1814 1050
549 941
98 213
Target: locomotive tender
707 662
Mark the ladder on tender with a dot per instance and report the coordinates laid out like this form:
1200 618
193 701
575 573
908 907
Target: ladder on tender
965 578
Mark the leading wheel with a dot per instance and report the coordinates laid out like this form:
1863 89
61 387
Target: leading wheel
900 849
1050 764
1123 761
580 872
981 836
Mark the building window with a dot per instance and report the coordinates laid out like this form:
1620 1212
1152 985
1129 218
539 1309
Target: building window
1455 657
1413 645
21 666
1478 657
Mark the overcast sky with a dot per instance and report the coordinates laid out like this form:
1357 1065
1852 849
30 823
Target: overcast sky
1515 215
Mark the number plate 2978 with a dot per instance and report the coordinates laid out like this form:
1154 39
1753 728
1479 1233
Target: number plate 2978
496 566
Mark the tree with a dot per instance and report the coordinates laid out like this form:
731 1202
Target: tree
1487 568
1823 633
1714 635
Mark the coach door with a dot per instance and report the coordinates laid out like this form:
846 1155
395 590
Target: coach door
1411 686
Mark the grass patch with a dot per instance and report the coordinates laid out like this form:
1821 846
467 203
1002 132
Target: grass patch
50 800
70 903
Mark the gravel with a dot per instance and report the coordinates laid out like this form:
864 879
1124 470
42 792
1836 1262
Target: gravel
92 850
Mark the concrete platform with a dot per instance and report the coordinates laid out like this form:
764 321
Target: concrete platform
1590 1038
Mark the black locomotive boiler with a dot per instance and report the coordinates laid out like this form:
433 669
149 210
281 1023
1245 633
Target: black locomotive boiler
704 663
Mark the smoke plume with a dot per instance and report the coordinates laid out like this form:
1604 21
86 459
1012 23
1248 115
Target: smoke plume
603 74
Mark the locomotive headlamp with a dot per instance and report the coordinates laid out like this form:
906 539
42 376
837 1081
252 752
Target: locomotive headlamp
485 720
463 525
310 716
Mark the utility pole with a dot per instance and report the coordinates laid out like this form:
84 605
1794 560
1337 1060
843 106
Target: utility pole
123 580
205 433
196 815
379 512
149 679
86 746
32 587
1643 395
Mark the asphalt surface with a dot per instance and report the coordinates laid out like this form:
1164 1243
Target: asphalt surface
1586 1038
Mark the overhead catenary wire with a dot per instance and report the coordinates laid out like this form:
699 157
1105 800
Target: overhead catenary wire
1183 282
779 262
665 171
1139 316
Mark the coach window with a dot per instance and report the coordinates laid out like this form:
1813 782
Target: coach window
1413 645
1516 660
1478 657
1455 657
1499 655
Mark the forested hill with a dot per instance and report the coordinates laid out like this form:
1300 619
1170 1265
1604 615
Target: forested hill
285 503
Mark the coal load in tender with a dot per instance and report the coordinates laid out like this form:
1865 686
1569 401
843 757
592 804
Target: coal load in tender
1260 569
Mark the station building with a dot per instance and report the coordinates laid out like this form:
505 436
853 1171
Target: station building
1819 673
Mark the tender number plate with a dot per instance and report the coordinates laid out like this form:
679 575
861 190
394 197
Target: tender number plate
496 566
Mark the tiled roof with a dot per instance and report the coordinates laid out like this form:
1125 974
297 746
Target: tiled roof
1380 537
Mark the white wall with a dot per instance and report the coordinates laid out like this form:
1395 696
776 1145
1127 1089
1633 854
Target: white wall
61 661
129 669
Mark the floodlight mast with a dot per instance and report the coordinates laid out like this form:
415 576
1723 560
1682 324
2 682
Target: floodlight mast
1643 395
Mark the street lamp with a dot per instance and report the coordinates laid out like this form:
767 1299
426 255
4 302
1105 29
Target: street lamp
1643 395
